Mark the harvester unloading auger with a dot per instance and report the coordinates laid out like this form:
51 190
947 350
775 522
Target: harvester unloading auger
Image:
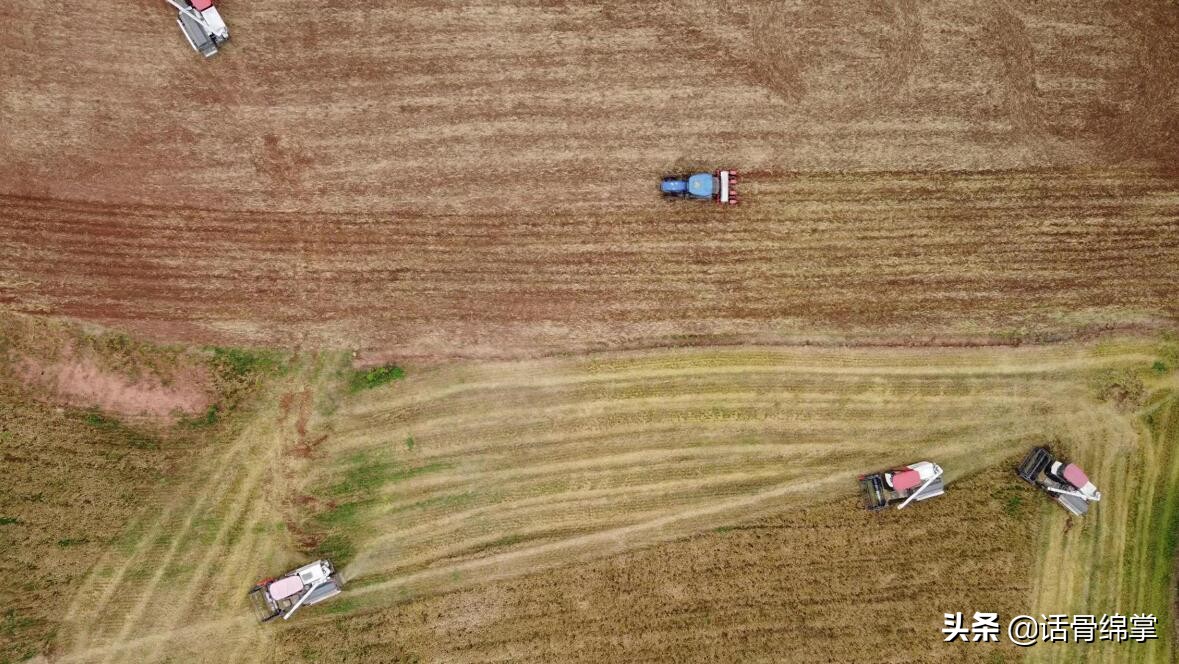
1065 481
917 481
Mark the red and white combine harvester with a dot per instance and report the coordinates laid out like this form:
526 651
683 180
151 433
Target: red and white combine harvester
201 24
1065 481
917 481
310 584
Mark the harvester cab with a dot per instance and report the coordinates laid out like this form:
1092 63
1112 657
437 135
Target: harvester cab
1064 481
917 481
720 186
201 24
282 596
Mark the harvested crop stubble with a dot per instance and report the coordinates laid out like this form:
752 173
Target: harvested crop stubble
527 464
521 468
823 583
525 106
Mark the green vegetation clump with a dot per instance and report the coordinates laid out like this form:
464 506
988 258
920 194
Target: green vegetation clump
1012 505
369 471
118 433
1011 497
353 494
9 520
237 373
205 421
101 422
337 548
343 516
237 363
375 377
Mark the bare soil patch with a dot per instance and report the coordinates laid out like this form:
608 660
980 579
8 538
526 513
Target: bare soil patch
105 370
82 383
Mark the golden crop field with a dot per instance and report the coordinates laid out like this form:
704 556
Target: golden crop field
445 491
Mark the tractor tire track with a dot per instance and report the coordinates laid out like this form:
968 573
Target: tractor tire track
223 560
229 489
535 509
226 480
144 546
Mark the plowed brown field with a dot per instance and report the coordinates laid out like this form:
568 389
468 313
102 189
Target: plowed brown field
917 257
442 179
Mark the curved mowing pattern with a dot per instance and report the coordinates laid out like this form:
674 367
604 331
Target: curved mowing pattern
1128 541
522 465
472 472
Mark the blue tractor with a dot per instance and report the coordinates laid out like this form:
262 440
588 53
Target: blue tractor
720 186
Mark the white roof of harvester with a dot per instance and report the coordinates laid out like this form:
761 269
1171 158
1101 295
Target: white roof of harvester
285 587
1075 475
905 480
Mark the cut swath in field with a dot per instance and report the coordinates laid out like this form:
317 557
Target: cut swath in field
1120 558
459 475
810 585
470 472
